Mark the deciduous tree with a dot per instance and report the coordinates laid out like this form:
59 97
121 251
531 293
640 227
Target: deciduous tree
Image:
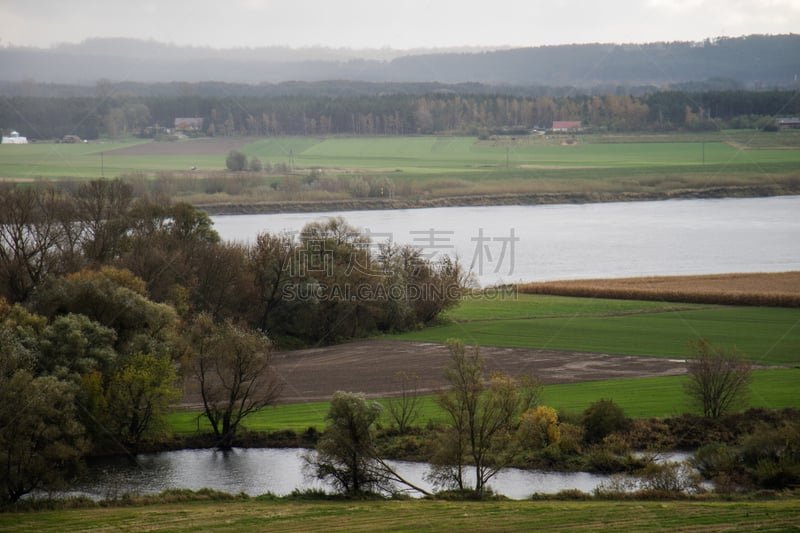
404 409
41 440
31 239
346 455
139 394
232 367
719 378
482 419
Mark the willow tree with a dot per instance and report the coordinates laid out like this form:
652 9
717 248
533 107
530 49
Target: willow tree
346 454
232 367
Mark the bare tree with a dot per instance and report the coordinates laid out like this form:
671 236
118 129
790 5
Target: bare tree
483 418
232 367
719 378
103 207
31 239
404 409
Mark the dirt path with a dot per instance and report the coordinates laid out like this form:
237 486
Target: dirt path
370 367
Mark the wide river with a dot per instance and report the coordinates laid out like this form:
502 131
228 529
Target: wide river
577 241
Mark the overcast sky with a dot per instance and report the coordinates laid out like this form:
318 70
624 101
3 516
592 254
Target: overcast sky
397 24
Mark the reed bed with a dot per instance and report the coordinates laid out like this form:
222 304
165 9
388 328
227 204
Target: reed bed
780 289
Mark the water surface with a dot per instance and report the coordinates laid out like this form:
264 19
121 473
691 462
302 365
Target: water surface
256 471
548 242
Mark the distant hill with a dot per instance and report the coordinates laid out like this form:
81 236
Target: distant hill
752 61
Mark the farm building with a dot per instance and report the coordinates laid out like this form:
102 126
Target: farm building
189 124
561 126
15 138
70 139
788 123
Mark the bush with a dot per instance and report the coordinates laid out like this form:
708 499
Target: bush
255 165
650 434
714 459
669 477
772 455
692 431
236 161
781 474
359 187
571 438
602 418
538 428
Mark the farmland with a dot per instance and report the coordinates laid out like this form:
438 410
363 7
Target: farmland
585 330
553 337
763 335
424 168
779 289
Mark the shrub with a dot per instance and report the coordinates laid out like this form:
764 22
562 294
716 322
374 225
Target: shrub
669 477
602 418
255 165
714 459
359 187
538 427
650 434
236 161
571 438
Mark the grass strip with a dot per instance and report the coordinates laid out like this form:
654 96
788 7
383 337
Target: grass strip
639 398
413 515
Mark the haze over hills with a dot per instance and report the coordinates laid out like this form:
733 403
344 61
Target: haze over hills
750 62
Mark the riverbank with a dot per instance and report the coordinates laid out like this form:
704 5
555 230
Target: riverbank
242 206
179 511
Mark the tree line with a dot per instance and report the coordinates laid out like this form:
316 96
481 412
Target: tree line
112 114
748 60
110 300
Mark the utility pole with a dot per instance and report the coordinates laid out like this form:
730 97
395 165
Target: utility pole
102 166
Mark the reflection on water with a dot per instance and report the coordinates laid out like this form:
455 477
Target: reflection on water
256 471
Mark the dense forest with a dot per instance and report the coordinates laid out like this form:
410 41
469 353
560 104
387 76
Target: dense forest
753 61
111 113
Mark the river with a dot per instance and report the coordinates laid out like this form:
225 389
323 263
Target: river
256 471
577 241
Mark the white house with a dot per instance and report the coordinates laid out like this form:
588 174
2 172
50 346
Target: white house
15 138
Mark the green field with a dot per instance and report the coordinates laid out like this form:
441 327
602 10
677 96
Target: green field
268 515
639 398
765 335
676 156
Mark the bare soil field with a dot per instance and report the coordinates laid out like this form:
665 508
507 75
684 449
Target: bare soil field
371 367
202 146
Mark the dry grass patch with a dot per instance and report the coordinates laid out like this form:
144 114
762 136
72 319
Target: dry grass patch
780 289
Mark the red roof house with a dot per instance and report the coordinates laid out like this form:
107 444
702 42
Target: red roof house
566 125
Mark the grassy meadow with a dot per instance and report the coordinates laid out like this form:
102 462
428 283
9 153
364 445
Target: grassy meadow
442 166
639 398
264 514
